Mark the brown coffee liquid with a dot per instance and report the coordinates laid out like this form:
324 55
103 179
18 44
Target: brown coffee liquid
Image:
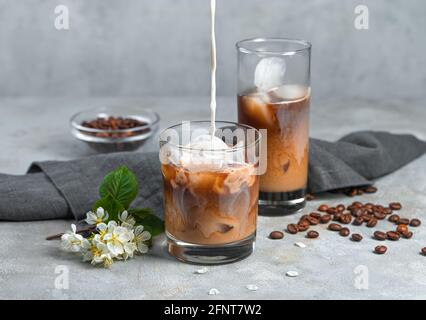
285 114
210 207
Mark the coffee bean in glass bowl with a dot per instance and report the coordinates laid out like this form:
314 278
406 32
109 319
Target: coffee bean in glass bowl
115 129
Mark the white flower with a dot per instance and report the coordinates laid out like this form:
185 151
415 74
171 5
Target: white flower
98 253
127 220
73 242
129 250
117 239
103 228
95 218
141 237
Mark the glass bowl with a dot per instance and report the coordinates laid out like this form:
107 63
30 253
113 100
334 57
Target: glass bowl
115 140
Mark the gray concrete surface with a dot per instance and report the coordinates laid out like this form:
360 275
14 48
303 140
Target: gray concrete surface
141 47
37 129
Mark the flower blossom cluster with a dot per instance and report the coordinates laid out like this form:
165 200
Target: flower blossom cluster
112 240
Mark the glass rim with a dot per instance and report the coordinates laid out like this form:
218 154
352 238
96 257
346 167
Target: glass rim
305 46
231 149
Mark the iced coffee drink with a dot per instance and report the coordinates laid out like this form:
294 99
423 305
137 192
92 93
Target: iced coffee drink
274 94
211 192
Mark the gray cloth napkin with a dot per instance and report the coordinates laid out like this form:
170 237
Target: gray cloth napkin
68 189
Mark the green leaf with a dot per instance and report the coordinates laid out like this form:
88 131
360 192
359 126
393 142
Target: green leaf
120 185
149 220
112 206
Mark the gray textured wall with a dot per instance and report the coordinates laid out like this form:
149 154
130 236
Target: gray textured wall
161 47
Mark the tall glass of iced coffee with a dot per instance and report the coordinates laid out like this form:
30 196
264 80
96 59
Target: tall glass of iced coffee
274 94
211 187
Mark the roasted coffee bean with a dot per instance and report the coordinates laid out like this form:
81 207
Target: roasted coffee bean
325 218
392 235
337 216
395 206
358 221
313 221
404 221
407 234
340 207
387 211
352 193
323 208
360 192
292 228
312 234
424 251
275 235
379 235
380 249
357 212
401 228
315 215
366 217
372 223
357 204
370 189
345 218
331 210
369 205
379 215
394 218
356 237
344 232
303 217
303 225
415 222
334 227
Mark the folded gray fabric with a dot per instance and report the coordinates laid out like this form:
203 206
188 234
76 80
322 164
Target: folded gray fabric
68 189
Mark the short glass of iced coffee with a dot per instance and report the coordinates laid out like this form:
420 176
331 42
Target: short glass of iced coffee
274 94
211 187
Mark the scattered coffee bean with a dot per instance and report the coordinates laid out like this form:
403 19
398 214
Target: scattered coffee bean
404 221
312 234
334 227
392 235
325 218
394 218
415 222
379 235
372 223
331 210
303 225
315 215
358 221
380 249
401 228
292 228
356 237
407 235
370 189
340 207
344 232
395 206
424 251
387 211
379 215
323 208
345 218
275 235
313 221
